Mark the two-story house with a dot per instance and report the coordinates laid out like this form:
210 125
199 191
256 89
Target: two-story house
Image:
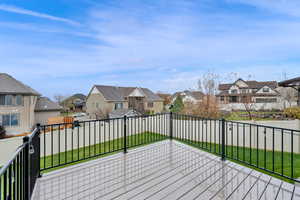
103 100
21 107
261 95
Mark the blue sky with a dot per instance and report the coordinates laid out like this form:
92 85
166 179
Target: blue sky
63 47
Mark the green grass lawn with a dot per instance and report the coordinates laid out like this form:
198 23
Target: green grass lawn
237 116
260 158
87 153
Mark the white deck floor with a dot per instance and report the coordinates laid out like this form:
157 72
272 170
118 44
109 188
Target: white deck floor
164 170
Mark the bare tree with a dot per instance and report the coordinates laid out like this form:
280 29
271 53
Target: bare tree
288 96
208 84
59 98
248 104
101 114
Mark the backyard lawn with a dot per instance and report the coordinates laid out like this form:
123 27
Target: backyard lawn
279 162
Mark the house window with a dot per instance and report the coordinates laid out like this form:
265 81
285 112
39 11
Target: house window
150 104
222 98
2 100
266 89
233 91
244 91
118 106
266 100
19 100
8 100
233 99
10 119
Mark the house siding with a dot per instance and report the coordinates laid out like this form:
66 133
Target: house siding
43 116
26 112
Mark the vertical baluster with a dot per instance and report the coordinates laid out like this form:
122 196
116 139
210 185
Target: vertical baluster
292 154
282 151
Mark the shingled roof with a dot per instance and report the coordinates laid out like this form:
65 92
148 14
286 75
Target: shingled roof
45 104
198 95
9 85
114 93
251 85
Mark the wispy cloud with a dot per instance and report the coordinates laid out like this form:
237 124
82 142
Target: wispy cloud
163 45
287 7
17 10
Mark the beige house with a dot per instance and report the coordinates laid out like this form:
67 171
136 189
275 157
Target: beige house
21 107
265 95
103 100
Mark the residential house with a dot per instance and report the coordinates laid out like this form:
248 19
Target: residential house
254 95
102 100
189 96
75 103
45 109
20 106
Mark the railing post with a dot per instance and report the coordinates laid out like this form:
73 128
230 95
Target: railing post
171 125
223 130
38 126
125 133
26 168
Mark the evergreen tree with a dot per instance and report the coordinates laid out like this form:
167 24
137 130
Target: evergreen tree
178 105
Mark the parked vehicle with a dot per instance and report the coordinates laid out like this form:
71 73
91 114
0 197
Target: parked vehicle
2 132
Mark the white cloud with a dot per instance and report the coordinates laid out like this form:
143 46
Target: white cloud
14 9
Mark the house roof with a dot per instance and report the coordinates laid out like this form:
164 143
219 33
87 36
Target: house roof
45 104
198 95
82 97
290 82
114 93
251 84
9 85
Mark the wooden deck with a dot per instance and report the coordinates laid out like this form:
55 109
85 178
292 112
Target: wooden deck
164 170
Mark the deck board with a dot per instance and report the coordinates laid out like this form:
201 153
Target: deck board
164 170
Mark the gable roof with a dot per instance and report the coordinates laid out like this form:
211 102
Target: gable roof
114 93
198 95
45 104
290 82
9 85
251 84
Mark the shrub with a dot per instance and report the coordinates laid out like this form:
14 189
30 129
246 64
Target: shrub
293 112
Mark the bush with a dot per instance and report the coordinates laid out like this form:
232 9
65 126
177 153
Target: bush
293 112
2 132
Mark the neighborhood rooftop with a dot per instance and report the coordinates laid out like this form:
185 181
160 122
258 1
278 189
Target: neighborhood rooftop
251 84
44 103
115 93
9 85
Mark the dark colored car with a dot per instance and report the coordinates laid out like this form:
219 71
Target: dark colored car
2 132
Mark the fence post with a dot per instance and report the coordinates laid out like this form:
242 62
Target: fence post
38 126
125 133
26 168
171 125
223 130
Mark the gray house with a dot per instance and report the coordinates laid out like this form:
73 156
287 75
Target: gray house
21 106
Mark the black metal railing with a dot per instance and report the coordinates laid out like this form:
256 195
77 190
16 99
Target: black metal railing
19 175
271 149
63 144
